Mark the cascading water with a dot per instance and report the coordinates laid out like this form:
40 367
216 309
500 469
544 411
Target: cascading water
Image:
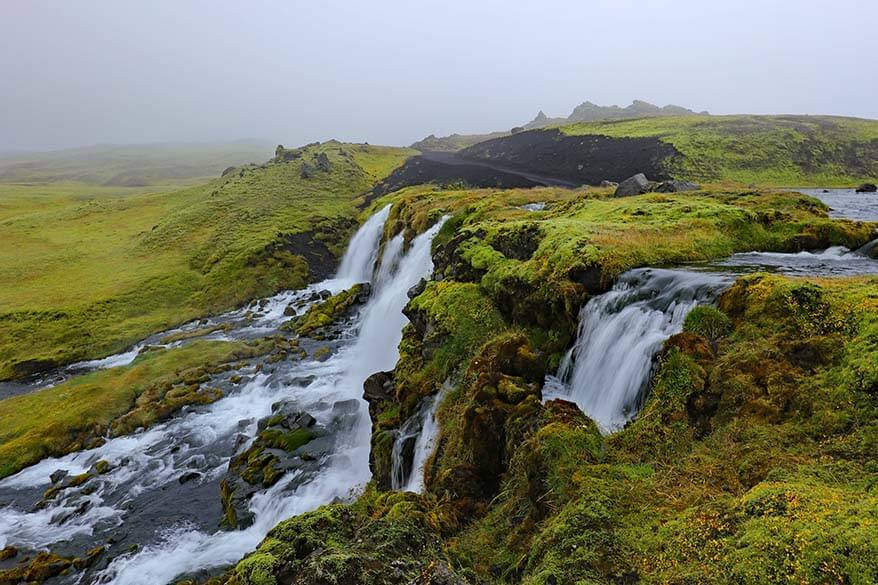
415 444
171 471
390 259
359 259
606 371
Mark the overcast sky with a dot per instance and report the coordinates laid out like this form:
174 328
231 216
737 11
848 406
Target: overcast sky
129 71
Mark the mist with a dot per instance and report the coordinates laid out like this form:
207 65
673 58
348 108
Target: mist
391 72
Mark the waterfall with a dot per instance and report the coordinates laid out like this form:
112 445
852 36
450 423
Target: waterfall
415 443
142 496
390 259
607 370
382 319
359 259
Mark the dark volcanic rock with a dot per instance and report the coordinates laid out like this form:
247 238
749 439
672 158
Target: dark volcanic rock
578 160
634 185
287 440
867 188
378 390
677 186
417 289
322 162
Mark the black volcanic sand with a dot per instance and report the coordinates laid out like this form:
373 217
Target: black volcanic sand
445 169
536 158
581 160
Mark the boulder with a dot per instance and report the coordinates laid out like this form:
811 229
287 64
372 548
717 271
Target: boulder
632 186
867 188
677 186
606 183
287 440
378 390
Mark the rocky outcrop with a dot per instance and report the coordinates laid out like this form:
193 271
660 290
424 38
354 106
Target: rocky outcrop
288 440
867 188
324 318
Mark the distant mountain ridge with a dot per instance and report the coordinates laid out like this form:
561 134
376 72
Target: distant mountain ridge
584 112
590 112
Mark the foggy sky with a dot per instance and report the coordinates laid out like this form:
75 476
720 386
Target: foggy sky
390 72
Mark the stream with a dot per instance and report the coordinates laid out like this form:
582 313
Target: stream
608 369
135 506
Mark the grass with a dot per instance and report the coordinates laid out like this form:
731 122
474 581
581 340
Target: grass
784 151
83 275
78 413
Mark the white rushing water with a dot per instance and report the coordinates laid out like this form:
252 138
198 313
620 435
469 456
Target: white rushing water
359 259
416 440
145 465
607 370
834 261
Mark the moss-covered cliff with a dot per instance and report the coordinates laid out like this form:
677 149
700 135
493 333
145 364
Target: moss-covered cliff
749 463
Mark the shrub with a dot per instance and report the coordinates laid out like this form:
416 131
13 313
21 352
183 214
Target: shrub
709 322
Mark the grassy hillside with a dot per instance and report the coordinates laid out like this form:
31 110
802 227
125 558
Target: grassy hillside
765 150
83 276
117 165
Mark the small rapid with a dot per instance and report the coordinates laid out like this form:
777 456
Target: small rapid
606 371
158 498
414 444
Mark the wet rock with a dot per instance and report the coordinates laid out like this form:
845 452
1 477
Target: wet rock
378 391
287 440
58 475
10 552
635 185
189 476
90 558
416 290
867 188
677 186
101 467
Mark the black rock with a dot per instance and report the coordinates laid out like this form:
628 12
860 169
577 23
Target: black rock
322 162
635 185
677 186
377 389
58 475
189 476
867 188
417 289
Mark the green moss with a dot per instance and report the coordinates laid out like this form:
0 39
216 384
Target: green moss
257 569
324 313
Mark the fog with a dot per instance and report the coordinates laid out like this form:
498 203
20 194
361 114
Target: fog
391 72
